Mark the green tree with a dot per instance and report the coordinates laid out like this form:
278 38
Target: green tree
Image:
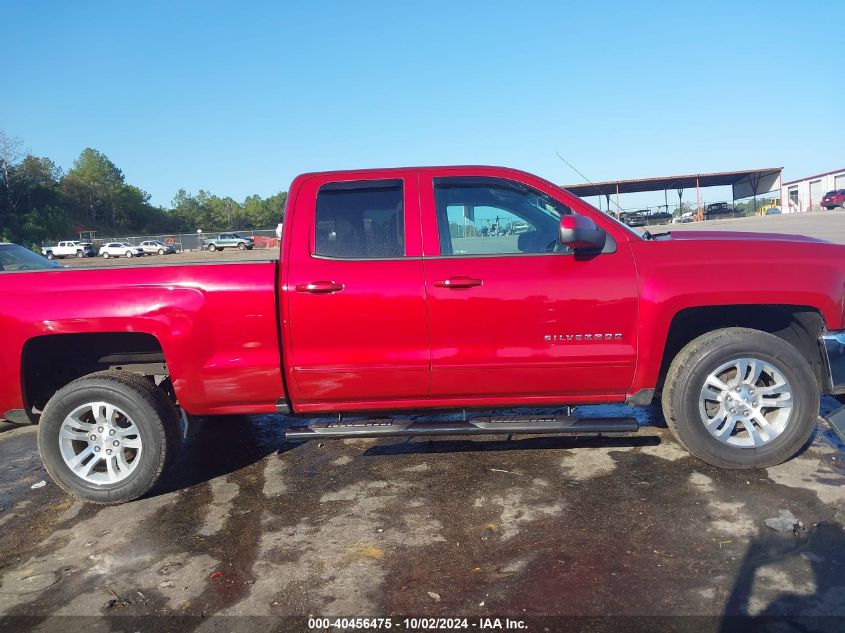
92 187
39 203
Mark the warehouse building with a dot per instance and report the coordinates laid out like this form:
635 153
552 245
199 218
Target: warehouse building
805 194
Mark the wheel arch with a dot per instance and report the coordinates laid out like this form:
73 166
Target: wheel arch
51 361
798 325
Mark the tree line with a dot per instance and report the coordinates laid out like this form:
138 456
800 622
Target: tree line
39 202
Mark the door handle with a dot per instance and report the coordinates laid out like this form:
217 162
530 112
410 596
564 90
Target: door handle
458 282
320 287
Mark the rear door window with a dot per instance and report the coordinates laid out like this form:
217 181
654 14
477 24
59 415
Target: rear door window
360 220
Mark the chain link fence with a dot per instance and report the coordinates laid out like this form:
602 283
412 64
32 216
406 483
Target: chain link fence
186 242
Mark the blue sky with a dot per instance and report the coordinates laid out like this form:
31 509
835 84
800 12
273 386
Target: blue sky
237 98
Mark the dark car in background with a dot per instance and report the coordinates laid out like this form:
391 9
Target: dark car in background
652 218
719 210
833 199
632 218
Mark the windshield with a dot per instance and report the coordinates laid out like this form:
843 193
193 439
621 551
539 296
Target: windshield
14 258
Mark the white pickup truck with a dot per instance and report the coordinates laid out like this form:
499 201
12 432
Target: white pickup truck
70 248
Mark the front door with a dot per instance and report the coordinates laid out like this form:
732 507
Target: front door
512 312
356 310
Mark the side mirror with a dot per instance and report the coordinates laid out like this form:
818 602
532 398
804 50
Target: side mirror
580 233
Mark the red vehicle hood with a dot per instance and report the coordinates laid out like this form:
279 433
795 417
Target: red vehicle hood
742 235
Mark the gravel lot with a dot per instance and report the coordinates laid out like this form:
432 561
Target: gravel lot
628 526
827 225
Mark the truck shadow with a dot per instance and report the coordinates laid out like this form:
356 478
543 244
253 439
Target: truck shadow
815 606
218 446
417 446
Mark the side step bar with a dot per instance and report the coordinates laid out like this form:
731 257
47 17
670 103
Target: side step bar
391 427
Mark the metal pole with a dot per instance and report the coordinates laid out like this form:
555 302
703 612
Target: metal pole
618 206
697 193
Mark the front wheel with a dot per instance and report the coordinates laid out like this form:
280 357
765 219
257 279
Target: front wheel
241 246
161 251
212 247
108 437
80 254
50 255
741 398
129 253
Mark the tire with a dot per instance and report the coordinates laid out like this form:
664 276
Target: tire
50 255
128 253
161 251
154 417
212 247
106 255
241 246
80 254
685 383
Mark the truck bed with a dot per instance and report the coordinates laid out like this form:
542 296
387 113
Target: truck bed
216 324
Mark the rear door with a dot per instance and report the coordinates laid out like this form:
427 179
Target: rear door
514 314
354 292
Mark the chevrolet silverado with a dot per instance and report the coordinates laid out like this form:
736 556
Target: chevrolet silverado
391 294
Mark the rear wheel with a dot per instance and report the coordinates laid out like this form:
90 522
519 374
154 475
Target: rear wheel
108 437
741 398
106 255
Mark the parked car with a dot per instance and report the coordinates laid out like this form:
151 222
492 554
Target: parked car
120 249
656 217
719 210
229 240
380 303
632 218
152 247
15 258
69 248
833 199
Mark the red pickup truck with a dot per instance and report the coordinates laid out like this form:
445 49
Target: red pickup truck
429 288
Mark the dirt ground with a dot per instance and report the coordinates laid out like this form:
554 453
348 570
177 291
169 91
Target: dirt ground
251 525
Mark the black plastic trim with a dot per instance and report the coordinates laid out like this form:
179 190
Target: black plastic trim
392 427
18 416
641 398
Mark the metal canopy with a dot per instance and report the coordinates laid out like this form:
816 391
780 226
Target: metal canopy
745 183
